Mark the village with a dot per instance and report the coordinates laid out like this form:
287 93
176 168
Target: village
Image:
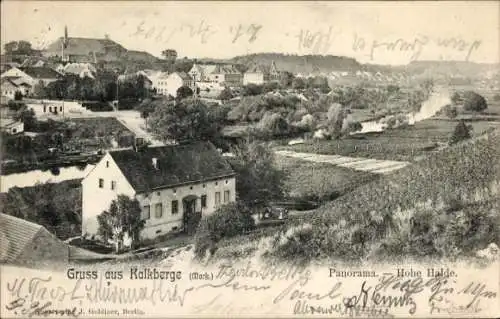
115 154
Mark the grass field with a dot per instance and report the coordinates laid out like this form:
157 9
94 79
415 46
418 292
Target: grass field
319 181
403 144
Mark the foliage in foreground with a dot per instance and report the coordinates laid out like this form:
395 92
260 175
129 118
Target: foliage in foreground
428 207
258 181
122 219
56 206
227 221
444 206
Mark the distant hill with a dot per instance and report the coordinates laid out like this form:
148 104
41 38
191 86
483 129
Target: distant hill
305 64
452 68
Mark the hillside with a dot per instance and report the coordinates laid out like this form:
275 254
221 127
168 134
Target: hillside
444 206
452 68
297 64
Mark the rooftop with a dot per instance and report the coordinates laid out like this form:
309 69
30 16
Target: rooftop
177 164
18 234
41 72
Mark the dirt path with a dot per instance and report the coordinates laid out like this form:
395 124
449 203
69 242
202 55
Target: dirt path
356 163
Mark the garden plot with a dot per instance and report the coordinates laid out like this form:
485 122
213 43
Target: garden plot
356 163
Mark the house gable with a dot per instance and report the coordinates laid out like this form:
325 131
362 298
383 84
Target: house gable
107 168
15 72
100 187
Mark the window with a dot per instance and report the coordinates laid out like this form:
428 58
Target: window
203 201
146 212
226 196
113 185
107 163
175 207
101 183
158 210
60 108
217 198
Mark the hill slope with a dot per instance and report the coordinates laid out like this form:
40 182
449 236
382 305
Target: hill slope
305 64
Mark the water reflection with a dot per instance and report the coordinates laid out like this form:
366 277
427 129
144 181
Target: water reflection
54 175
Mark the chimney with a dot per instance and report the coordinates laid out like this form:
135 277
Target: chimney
155 162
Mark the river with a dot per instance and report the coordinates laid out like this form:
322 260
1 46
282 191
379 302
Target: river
31 178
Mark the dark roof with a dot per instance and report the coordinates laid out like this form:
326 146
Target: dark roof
258 68
16 234
184 76
41 73
8 81
225 69
177 164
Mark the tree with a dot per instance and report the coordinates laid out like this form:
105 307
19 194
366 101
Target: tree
183 65
24 47
10 47
122 219
39 89
169 55
184 92
227 221
273 124
456 98
353 126
450 111
259 181
298 83
251 89
270 86
18 47
461 132
27 116
392 89
18 96
286 79
189 119
226 94
145 108
474 102
336 115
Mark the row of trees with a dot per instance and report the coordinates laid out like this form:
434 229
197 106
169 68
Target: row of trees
104 88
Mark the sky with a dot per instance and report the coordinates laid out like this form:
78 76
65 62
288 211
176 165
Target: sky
372 32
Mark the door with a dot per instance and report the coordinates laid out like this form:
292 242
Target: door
191 218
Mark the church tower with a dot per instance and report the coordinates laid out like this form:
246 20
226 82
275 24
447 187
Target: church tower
64 44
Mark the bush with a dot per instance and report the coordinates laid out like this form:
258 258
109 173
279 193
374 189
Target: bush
273 124
474 102
227 221
496 97
251 89
18 96
450 111
461 132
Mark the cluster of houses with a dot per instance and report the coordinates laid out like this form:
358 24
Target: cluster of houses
209 79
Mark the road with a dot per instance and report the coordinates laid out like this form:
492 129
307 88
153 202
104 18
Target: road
131 119
356 163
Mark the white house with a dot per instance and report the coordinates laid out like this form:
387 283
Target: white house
80 69
171 183
33 75
176 80
9 88
56 108
11 126
200 72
